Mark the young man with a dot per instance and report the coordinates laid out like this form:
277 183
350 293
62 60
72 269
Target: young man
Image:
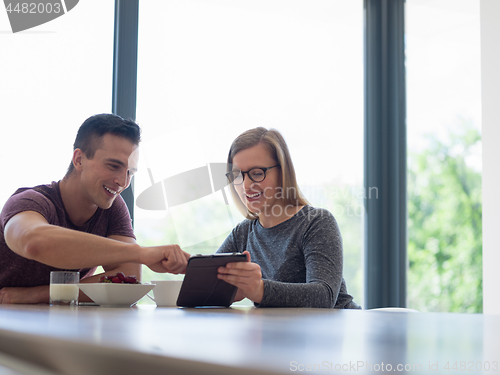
81 221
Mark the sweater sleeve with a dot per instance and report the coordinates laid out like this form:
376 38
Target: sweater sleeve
230 244
321 244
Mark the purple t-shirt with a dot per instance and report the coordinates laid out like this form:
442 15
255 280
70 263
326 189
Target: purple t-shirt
17 271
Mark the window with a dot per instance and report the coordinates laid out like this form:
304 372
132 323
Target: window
53 77
211 70
444 155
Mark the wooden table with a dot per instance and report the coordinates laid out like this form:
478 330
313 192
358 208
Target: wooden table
150 340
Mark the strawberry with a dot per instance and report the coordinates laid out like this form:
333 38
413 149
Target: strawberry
131 280
119 278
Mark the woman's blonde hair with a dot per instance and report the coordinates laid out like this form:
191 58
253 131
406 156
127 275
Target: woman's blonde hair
275 143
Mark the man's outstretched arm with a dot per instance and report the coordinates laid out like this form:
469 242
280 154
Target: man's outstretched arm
29 235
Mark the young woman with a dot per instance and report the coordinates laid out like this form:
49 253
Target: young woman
294 250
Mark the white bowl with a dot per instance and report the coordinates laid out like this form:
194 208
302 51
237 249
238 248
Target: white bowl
114 294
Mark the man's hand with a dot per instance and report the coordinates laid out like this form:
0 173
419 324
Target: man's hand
36 294
167 258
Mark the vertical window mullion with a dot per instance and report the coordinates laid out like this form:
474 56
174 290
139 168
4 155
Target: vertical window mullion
125 70
385 154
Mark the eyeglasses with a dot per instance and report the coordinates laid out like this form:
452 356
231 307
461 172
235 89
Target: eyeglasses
255 174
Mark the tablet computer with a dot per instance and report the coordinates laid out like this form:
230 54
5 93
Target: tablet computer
202 287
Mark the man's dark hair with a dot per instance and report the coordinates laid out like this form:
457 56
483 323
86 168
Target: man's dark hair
89 136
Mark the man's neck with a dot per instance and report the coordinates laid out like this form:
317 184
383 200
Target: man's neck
77 207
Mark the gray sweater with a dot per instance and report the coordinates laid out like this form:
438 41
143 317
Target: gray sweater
300 259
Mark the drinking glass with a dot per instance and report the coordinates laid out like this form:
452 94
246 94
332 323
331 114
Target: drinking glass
64 288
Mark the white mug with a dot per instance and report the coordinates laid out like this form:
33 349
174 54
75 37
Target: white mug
166 292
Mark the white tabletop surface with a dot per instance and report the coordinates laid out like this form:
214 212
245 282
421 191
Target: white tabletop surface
150 340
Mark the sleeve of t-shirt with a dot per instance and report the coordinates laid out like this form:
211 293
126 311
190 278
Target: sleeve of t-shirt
322 248
28 200
120 223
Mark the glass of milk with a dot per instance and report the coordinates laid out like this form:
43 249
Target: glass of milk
64 288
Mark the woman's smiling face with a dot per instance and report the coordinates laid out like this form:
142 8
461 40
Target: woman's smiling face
258 197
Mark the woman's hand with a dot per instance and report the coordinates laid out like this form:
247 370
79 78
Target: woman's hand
246 276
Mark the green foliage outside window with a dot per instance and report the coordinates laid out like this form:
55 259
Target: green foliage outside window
445 225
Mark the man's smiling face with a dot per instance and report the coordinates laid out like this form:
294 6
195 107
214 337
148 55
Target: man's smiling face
109 172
